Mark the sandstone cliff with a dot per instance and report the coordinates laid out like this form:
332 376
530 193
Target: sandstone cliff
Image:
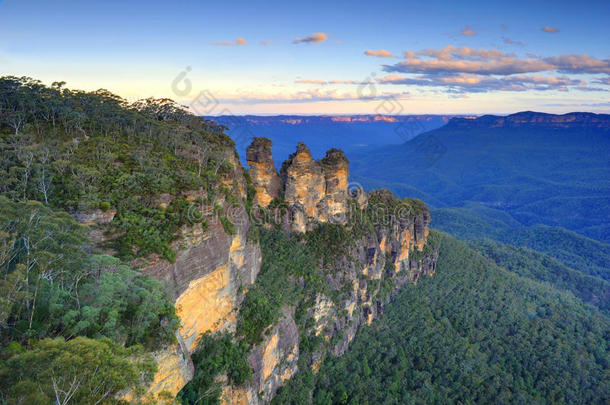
387 250
216 265
263 173
209 277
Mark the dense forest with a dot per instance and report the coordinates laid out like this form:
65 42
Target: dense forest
473 221
76 323
473 333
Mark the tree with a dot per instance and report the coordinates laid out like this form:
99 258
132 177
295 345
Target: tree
78 371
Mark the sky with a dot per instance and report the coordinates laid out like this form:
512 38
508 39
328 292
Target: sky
320 57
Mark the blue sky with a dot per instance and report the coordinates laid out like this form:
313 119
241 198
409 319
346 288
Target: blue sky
242 57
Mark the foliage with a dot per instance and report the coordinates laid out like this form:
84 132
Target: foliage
216 354
286 261
228 225
79 371
472 221
80 151
538 266
473 333
330 242
51 287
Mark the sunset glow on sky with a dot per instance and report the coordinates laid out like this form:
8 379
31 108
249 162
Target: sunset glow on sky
393 57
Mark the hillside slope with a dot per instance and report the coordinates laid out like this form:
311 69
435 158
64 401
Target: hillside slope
483 335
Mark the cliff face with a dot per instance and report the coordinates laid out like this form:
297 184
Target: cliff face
387 252
212 270
531 119
215 266
209 277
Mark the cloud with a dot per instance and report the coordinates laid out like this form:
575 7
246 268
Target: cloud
324 82
264 43
579 64
589 88
451 59
347 82
308 96
382 53
550 30
450 52
308 81
316 38
237 42
467 31
474 83
504 66
512 42
605 80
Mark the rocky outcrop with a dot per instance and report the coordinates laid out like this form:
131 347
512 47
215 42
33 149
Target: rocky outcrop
387 253
314 191
333 206
262 171
530 119
304 186
215 266
210 275
273 362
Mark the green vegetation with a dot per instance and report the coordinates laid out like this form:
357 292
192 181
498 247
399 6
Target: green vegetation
74 324
290 274
286 261
537 175
51 287
538 266
80 371
473 333
82 151
472 221
215 355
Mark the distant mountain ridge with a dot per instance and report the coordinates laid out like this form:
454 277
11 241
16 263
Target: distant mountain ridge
539 168
350 133
307 119
532 119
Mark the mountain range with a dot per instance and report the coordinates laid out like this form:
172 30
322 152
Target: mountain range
349 132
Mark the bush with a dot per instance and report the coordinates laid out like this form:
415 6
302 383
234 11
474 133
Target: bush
215 354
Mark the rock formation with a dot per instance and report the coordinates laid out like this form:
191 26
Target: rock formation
304 186
214 268
262 171
335 168
314 191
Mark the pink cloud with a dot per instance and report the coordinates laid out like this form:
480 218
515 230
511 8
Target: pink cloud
464 82
451 59
237 42
579 64
467 31
382 53
550 30
316 38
